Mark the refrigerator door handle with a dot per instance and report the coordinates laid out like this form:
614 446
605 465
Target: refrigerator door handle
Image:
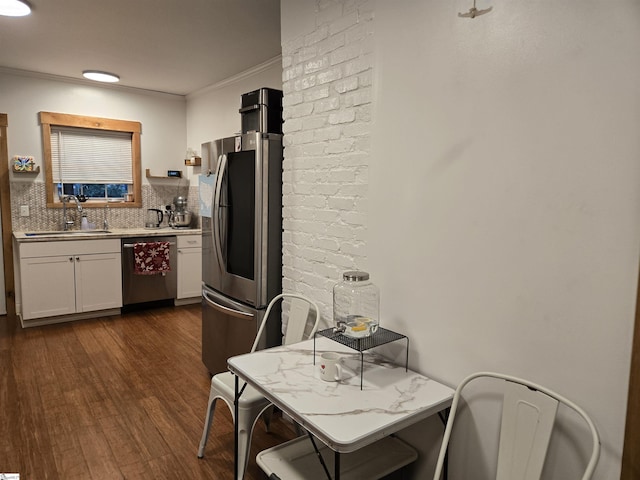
217 230
249 108
230 311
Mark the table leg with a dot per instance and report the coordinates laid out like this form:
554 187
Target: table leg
319 455
336 474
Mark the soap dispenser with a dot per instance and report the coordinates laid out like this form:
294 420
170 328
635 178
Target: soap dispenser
84 224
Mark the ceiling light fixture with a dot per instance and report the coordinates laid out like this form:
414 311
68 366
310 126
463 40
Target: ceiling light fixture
100 76
14 8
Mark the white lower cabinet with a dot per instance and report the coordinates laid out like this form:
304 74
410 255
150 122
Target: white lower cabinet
98 281
48 286
189 266
67 277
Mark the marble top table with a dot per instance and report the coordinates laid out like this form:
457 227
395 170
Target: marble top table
340 414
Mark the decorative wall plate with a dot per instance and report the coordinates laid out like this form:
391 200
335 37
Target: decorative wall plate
23 164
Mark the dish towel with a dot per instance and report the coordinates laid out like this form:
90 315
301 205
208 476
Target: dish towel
151 258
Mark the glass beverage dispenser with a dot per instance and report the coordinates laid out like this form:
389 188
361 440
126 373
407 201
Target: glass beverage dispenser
356 305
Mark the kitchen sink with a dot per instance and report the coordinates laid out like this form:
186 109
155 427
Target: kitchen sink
65 233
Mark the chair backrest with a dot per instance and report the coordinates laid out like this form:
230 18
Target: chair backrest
304 316
528 415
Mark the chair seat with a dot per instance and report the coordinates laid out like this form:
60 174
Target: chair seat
225 384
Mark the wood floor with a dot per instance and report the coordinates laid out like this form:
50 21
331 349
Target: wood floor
112 398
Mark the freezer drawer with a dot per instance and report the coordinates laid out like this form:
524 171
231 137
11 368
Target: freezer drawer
229 328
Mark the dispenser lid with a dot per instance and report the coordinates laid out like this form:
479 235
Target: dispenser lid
355 276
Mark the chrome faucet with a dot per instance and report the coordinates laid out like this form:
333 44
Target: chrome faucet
105 225
66 223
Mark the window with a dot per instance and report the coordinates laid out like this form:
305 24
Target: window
96 158
92 163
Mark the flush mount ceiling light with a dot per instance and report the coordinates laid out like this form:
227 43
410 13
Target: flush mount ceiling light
100 76
14 8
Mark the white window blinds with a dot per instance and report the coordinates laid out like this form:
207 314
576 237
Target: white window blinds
82 155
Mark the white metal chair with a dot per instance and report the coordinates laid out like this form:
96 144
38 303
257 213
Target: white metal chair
528 417
304 316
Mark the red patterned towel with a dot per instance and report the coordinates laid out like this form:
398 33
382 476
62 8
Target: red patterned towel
151 258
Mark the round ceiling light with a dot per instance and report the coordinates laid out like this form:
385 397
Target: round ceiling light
14 8
100 76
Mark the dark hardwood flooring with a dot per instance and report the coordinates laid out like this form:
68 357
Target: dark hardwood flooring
113 398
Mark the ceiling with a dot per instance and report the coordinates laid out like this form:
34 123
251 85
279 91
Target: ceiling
170 46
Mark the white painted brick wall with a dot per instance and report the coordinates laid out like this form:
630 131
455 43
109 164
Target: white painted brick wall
327 81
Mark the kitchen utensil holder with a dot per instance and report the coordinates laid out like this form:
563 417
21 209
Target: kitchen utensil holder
382 336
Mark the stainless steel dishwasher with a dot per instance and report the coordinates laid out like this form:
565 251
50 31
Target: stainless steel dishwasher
148 288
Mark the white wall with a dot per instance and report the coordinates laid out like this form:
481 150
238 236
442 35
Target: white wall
503 217
163 141
163 117
212 113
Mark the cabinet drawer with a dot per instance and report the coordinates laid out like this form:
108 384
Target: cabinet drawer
187 241
71 247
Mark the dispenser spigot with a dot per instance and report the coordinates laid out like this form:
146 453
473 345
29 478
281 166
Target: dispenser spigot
341 327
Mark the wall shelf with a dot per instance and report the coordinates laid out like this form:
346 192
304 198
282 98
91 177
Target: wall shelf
165 177
193 162
36 170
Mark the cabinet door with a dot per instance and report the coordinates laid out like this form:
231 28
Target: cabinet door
98 281
189 272
48 286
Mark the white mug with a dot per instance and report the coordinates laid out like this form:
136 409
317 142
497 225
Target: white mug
330 367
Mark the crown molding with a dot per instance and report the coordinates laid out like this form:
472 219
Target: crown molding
236 78
88 83
141 91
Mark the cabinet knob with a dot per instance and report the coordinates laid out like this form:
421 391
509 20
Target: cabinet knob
77 259
71 259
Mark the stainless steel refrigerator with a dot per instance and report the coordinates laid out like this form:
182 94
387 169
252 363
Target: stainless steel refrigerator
241 244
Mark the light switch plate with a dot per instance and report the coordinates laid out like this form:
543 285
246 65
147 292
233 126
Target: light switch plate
24 210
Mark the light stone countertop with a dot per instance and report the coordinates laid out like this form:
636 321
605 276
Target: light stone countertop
48 236
341 414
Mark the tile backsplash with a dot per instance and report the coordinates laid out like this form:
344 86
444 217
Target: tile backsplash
33 195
